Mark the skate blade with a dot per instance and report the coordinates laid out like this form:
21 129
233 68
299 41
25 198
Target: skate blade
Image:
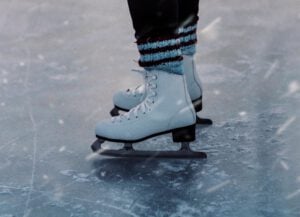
123 153
97 145
204 121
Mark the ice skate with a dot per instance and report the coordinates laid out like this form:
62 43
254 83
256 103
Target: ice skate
166 108
125 100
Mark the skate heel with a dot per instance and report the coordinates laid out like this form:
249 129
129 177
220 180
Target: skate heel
185 134
198 104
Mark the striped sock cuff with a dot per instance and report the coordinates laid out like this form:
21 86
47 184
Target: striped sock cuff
188 39
161 54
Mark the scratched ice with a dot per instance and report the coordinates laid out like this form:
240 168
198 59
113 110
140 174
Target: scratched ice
60 63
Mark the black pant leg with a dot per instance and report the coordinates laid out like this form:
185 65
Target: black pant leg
154 18
188 12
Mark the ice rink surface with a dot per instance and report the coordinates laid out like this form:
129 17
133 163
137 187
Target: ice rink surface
61 62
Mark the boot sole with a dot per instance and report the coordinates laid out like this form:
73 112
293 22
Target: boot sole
182 134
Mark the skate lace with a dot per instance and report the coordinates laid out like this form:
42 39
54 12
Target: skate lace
136 91
146 105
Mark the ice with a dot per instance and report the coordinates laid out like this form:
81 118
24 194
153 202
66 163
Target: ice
294 194
41 57
218 187
211 30
272 69
62 149
284 165
66 22
286 124
61 62
242 113
4 81
293 87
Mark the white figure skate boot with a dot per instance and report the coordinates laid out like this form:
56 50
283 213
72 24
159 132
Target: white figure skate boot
125 100
167 108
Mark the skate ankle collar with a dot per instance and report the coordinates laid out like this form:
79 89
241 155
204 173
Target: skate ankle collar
188 39
161 54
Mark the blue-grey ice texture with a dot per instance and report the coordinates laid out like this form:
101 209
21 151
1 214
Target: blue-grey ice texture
62 60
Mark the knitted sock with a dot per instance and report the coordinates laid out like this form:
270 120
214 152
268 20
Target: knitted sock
161 54
188 39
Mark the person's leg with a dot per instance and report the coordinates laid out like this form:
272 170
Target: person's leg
156 30
167 106
154 19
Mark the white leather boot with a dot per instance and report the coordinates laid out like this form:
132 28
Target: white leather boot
125 100
166 108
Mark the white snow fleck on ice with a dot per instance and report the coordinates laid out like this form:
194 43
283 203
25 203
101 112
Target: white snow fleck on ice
211 30
67 78
21 63
61 121
41 57
62 149
170 167
66 22
45 177
199 186
80 179
284 165
4 81
3 104
218 187
103 174
92 156
217 92
79 208
293 88
4 72
242 113
7 215
5 191
67 172
272 69
293 195
60 41
83 175
284 126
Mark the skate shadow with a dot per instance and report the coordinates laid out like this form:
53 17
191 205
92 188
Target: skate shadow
151 171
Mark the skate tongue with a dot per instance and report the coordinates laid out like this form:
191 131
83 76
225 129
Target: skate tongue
143 72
